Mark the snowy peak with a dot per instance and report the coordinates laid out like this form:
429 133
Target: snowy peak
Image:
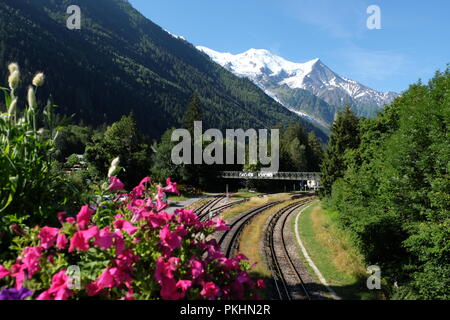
258 61
270 71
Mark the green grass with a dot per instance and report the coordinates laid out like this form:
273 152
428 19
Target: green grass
244 195
333 253
179 198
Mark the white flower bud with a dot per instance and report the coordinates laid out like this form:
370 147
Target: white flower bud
114 165
38 79
12 107
13 67
14 79
31 97
115 162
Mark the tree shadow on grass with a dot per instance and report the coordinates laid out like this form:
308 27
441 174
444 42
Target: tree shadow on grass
355 291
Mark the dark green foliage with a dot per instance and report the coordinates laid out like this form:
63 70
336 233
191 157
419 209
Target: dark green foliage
193 113
344 136
72 140
395 194
122 139
163 166
121 62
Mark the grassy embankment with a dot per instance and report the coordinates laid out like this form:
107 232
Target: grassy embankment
334 254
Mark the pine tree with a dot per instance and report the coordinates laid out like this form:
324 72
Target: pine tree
193 113
314 153
344 136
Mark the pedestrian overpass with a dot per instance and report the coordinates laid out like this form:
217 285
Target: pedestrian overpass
312 177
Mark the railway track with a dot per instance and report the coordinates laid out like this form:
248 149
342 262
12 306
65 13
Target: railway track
229 239
288 280
216 211
204 208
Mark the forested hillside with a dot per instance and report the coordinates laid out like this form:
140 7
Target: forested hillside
120 62
388 178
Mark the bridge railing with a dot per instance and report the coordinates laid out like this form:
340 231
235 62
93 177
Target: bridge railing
262 175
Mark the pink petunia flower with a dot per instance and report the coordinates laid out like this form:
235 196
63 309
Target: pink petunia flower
61 241
260 284
197 269
4 272
220 225
104 239
84 217
80 239
159 219
210 290
171 187
31 259
115 184
139 190
168 239
126 226
61 217
58 290
48 237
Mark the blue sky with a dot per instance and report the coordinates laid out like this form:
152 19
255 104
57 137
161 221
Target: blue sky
413 43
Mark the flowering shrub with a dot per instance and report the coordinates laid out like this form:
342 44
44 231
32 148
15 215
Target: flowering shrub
126 246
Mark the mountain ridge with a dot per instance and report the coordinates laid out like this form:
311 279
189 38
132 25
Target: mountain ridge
283 79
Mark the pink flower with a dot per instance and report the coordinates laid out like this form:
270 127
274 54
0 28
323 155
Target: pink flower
92 289
70 220
197 269
210 290
18 272
126 260
112 277
171 187
78 242
115 184
126 226
170 240
241 256
61 241
184 285
105 280
164 270
169 290
45 296
104 239
58 290
220 225
119 242
138 191
48 237
229 264
61 217
187 217
84 217
80 239
260 284
31 257
4 272
159 219
160 204
129 295
59 286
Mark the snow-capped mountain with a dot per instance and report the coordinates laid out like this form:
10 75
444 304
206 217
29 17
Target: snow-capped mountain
311 89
